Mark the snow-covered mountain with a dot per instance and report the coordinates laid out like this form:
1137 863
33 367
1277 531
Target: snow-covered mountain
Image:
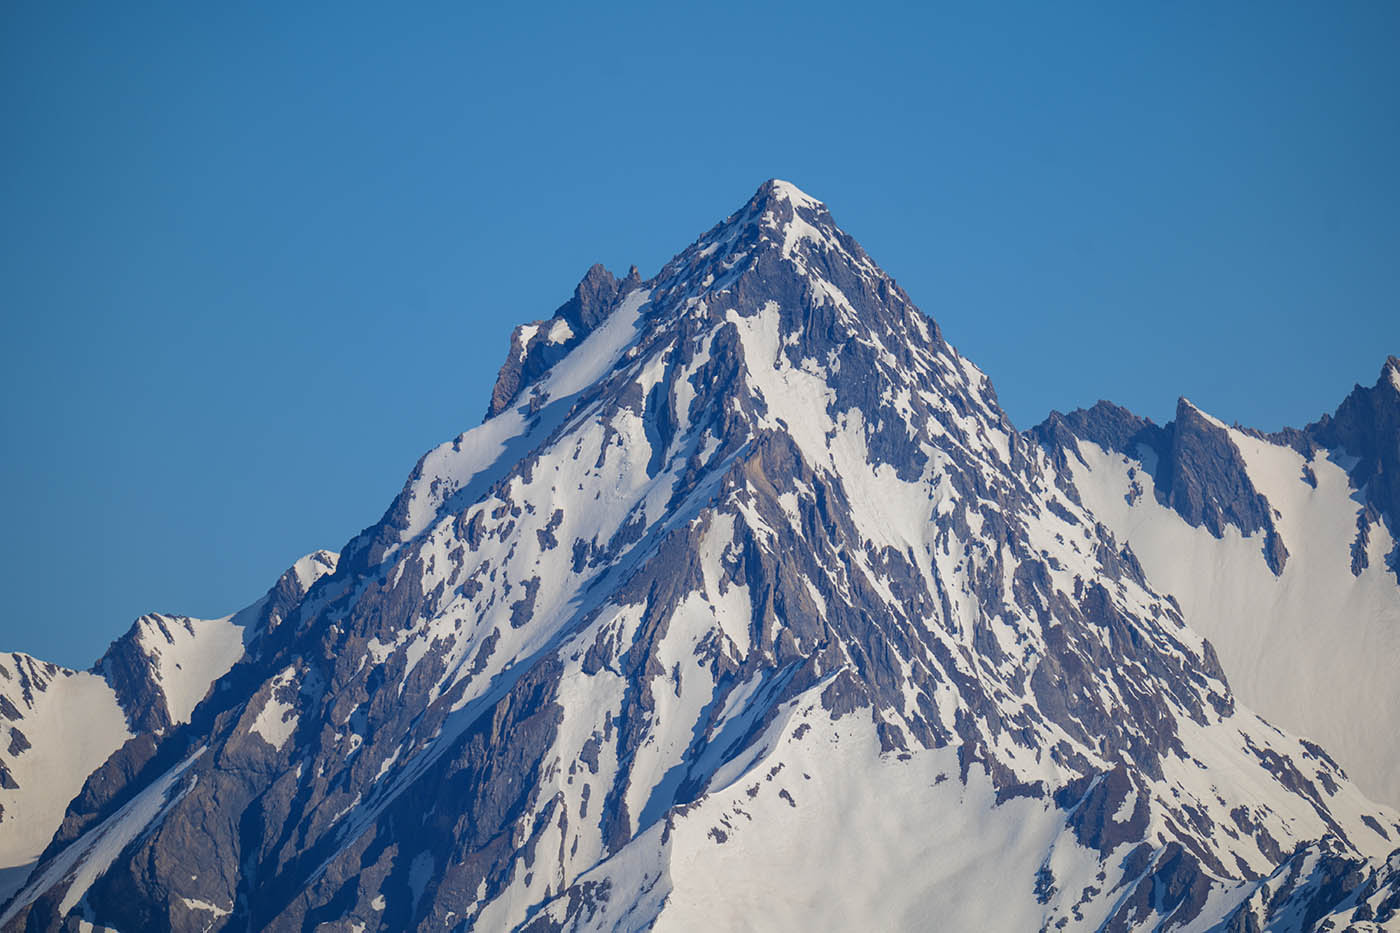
747 607
59 725
1279 549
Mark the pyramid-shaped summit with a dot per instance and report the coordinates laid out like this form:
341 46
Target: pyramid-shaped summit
745 606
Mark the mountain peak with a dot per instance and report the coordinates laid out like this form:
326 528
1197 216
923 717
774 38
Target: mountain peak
1185 408
778 203
748 554
777 190
782 214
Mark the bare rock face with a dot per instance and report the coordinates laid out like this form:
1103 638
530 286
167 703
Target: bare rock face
1367 427
534 348
1110 426
761 589
1197 469
1205 478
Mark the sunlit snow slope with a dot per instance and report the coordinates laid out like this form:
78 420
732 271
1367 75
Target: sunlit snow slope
56 725
1313 646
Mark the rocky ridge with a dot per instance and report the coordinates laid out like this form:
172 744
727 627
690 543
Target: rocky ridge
1310 643
59 727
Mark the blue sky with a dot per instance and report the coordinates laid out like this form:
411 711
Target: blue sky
255 259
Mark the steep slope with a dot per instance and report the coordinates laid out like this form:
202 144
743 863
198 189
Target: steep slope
59 725
1295 580
56 725
746 597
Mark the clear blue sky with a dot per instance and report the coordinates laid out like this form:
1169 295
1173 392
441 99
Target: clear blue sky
257 258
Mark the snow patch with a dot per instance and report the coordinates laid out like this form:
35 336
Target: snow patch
277 719
313 567
194 903
560 332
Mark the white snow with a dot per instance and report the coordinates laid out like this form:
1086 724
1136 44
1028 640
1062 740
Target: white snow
469 464
313 566
560 331
190 654
654 769
787 191
732 607
526 334
808 839
194 903
1125 809
87 926
1314 651
799 400
277 719
811 828
73 726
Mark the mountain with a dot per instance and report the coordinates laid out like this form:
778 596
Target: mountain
59 725
1278 548
746 606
